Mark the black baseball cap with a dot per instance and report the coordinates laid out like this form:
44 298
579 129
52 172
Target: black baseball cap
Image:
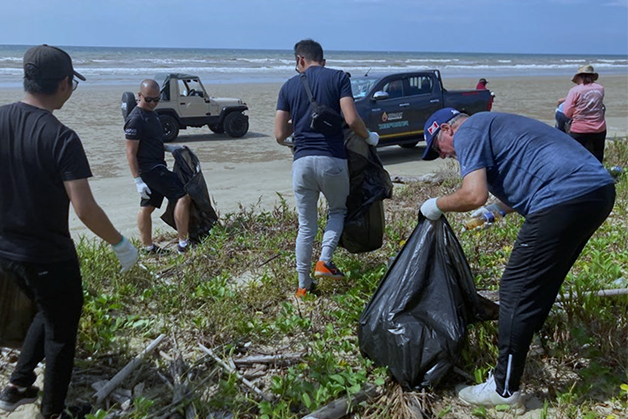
52 63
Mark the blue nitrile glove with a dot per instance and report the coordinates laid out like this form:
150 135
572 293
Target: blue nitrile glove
493 208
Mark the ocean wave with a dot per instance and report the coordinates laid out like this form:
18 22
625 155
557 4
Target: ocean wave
350 66
333 60
431 60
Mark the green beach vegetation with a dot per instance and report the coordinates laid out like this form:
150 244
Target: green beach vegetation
234 293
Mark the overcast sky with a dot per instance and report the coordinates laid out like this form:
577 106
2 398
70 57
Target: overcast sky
507 26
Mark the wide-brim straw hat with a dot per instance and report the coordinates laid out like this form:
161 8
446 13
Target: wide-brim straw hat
585 69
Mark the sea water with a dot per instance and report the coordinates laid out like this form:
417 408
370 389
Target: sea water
113 65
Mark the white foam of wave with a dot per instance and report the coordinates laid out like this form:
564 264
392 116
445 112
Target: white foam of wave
574 61
431 60
504 61
265 60
613 61
333 60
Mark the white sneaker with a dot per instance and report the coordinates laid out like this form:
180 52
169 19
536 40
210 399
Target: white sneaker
486 395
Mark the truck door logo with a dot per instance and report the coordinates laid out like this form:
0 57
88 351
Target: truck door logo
391 116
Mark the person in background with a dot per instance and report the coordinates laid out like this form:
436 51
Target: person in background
145 155
562 122
319 160
563 192
43 169
584 105
482 86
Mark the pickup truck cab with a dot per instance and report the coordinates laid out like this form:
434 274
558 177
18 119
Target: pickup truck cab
397 105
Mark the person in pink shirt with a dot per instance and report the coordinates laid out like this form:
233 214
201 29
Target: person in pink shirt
584 104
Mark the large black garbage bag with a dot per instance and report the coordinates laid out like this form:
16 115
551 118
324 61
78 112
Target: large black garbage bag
202 214
370 184
415 324
16 313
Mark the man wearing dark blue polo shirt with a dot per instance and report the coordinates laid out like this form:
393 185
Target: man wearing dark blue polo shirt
563 192
320 161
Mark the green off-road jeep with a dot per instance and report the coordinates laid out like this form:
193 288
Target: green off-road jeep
185 103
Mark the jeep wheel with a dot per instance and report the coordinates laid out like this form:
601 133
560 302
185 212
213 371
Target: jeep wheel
170 126
128 103
236 124
409 145
218 129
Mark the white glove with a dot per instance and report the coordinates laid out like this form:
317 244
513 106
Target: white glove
480 212
373 138
127 254
170 148
430 210
142 188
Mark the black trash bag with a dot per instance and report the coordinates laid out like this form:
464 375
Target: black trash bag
16 312
415 323
202 214
370 184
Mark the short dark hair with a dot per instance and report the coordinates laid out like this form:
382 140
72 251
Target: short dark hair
587 78
310 50
36 85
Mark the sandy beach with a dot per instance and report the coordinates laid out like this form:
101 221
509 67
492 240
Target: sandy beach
254 170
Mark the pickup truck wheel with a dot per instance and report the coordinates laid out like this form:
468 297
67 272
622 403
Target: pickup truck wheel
409 145
236 124
218 129
170 126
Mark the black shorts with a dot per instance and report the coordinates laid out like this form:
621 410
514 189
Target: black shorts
162 183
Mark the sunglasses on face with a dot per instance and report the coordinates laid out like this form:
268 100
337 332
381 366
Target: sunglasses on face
74 84
152 99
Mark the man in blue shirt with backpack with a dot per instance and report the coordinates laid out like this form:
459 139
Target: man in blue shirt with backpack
319 161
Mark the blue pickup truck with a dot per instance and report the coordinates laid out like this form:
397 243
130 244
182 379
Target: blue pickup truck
397 105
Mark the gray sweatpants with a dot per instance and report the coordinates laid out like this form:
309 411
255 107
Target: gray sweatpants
312 175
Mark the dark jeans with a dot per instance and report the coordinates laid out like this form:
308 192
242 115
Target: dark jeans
57 290
547 246
594 142
562 121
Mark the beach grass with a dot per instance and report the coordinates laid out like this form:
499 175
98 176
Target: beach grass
234 293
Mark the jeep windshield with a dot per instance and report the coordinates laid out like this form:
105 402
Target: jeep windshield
361 86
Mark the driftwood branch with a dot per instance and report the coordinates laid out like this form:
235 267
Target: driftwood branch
436 178
126 371
600 293
230 370
494 295
341 407
283 359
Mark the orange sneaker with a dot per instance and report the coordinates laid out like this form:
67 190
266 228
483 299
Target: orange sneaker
301 292
327 270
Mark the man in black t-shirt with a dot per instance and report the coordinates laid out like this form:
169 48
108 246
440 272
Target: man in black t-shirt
43 168
320 161
145 154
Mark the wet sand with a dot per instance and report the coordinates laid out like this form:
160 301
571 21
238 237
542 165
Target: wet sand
252 170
